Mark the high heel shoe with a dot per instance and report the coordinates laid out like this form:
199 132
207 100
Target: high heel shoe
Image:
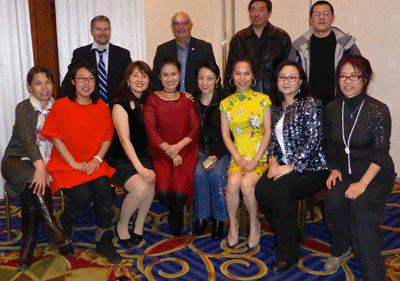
233 241
124 242
136 239
254 243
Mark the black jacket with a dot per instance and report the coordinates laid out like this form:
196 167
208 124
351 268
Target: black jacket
210 139
118 60
274 48
199 51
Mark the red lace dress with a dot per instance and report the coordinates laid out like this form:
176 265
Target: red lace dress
172 121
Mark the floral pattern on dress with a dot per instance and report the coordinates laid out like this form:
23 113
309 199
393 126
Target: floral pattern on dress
244 113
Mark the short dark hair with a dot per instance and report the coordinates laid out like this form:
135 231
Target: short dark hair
72 89
267 2
243 59
358 62
125 93
169 60
38 69
321 3
99 18
277 96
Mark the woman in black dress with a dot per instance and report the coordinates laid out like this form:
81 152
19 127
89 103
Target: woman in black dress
129 153
358 129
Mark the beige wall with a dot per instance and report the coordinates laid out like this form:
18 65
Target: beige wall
375 24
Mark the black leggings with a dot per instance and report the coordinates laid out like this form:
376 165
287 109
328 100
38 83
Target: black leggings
79 198
175 202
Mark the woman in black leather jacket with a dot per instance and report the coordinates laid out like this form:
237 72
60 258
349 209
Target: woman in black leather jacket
212 166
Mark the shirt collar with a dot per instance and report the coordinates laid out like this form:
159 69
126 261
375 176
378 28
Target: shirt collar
94 46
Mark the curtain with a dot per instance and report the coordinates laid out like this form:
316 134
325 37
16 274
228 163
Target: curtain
15 61
73 26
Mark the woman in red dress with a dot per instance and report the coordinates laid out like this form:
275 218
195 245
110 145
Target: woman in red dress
172 125
81 130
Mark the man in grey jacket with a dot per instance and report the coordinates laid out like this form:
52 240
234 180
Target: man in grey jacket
320 49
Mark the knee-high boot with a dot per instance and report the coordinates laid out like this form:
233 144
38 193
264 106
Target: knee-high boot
105 247
44 207
30 224
175 218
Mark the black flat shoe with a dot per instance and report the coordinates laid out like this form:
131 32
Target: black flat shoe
124 242
66 250
217 229
136 239
282 266
199 227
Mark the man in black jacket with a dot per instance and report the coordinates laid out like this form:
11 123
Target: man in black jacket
115 59
266 45
188 50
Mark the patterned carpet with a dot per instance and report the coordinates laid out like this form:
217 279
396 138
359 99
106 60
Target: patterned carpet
162 257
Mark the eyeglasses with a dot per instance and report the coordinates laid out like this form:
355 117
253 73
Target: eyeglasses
185 23
324 13
353 77
82 79
282 78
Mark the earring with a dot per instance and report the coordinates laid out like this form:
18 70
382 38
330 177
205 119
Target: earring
230 82
127 84
299 90
255 82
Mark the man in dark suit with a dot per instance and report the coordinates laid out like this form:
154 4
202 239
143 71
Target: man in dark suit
188 50
114 60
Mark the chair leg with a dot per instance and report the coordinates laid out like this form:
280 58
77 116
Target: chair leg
62 198
301 215
8 216
188 217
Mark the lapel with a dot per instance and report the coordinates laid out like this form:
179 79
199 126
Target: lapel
92 55
191 52
111 60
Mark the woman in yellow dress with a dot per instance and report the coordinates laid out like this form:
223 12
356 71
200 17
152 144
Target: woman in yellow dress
247 114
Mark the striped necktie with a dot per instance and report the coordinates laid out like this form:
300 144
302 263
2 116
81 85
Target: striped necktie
101 67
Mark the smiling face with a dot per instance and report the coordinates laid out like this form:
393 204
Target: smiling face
41 88
350 88
259 14
206 80
101 32
242 76
170 77
321 20
138 82
85 83
182 26
287 88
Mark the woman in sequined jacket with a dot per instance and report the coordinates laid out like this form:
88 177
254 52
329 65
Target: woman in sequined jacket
296 159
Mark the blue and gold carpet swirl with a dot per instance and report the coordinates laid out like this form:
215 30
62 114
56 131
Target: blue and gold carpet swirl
163 257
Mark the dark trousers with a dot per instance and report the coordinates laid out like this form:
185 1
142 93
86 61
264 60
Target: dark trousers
277 199
79 198
357 221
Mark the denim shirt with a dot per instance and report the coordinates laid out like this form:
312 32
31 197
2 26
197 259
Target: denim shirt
303 135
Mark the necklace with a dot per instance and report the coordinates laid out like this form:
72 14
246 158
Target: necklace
351 114
169 91
347 144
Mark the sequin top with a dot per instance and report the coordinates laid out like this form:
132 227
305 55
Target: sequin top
370 141
303 135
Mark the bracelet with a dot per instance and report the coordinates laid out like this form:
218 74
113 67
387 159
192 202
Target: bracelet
256 159
98 158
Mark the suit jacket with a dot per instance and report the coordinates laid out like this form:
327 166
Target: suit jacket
199 51
119 59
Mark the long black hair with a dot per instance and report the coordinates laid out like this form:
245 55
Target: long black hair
219 93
